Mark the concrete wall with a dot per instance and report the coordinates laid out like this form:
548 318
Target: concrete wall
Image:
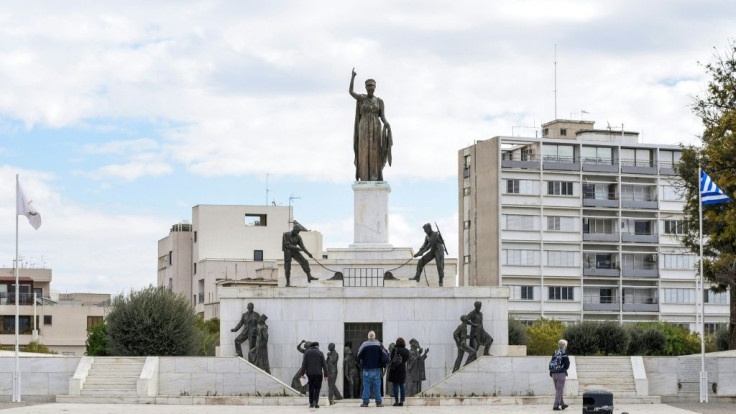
215 376
42 378
319 314
678 377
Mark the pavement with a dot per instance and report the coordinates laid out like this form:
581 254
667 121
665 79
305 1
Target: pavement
348 408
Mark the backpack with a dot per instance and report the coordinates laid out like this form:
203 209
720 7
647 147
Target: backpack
555 364
396 360
385 359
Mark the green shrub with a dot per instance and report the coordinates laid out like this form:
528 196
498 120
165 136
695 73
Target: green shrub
582 338
654 342
37 348
612 338
517 332
636 340
721 338
209 331
153 321
97 340
679 340
543 336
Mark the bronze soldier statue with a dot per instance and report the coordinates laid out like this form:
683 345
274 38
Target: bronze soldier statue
433 244
291 245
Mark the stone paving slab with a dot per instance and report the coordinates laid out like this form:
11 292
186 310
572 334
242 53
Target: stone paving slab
9 408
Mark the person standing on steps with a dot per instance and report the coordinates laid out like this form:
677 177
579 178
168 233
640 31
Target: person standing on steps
314 366
291 245
558 372
370 355
397 371
433 244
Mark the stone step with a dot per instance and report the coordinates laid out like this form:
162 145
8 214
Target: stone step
114 365
111 393
109 380
600 373
69 399
117 360
118 371
126 387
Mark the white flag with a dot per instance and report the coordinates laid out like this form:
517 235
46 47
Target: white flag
24 207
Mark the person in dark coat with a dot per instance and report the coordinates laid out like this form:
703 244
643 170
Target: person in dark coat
397 373
314 366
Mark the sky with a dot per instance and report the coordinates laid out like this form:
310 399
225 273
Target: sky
121 116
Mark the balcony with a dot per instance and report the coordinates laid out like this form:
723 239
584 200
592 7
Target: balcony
600 200
600 165
638 201
640 238
638 167
667 168
593 302
9 298
650 270
515 161
605 237
640 300
552 162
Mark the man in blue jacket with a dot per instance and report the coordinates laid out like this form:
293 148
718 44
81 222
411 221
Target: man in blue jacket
370 356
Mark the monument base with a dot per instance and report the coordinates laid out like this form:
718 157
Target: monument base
371 211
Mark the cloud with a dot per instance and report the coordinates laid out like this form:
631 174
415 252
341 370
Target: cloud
122 146
87 249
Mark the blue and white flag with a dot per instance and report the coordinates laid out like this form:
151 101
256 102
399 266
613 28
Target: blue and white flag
709 191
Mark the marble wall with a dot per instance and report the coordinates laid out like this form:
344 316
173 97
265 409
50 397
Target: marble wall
319 313
41 377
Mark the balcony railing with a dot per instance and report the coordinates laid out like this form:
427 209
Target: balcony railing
639 166
8 298
600 165
640 237
638 201
555 162
640 303
596 199
588 236
608 270
600 302
530 162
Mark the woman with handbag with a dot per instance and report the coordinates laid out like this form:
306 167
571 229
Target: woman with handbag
397 371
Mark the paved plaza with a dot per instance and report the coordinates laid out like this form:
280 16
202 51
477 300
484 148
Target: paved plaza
349 408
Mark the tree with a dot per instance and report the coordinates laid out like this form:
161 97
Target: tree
543 336
210 335
96 342
582 338
153 321
717 110
517 332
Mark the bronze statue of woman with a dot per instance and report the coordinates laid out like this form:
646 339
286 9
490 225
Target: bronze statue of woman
371 143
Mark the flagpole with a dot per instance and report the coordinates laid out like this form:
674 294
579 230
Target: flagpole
703 373
16 373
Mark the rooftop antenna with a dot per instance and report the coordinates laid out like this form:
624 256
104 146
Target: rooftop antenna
267 188
555 80
292 197
582 113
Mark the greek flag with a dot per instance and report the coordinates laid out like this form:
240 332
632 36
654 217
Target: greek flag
709 191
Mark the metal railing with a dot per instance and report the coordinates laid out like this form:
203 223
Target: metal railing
593 195
638 163
363 277
599 161
560 159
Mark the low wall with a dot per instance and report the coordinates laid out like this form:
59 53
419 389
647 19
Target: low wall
504 376
678 378
41 378
197 376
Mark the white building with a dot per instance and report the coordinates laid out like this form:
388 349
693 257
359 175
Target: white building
61 319
579 224
222 243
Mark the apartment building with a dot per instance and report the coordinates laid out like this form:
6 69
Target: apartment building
61 319
581 224
226 244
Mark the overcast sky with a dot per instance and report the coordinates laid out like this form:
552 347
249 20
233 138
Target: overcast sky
120 118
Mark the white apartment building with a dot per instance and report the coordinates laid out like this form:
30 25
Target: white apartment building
580 224
226 244
61 319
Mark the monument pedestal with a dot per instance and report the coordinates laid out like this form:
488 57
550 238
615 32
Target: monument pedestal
370 215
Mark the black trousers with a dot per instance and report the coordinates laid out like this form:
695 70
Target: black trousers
314 385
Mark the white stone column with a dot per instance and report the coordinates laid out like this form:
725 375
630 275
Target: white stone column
371 214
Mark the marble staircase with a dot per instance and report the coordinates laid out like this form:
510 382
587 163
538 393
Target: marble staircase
108 380
614 374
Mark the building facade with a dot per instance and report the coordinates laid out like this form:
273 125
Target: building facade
581 224
226 243
61 319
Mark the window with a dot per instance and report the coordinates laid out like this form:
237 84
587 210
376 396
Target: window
526 292
171 284
560 258
195 268
93 321
38 292
545 132
674 227
597 155
519 222
558 153
638 193
466 191
718 298
466 224
255 220
561 293
556 223
170 256
563 132
515 186
605 295
711 328
559 188
668 158
671 193
258 255
678 261
599 191
517 257
679 295
599 226
195 236
24 325
466 259
466 166
636 157
47 319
